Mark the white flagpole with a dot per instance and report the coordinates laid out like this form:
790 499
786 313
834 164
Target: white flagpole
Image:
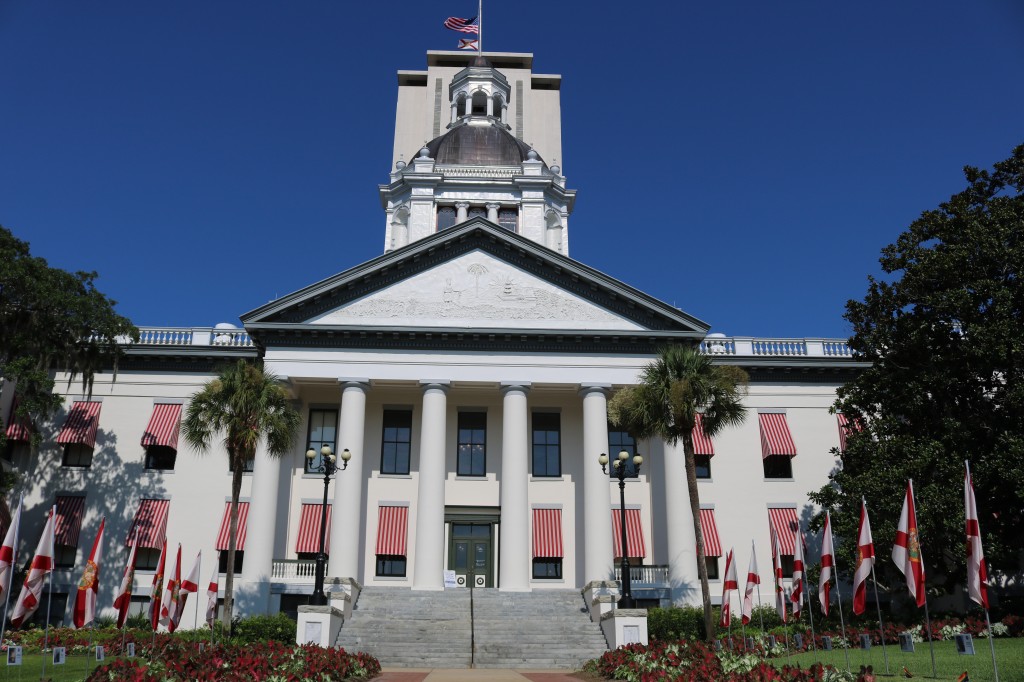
878 605
14 562
839 599
199 577
49 593
480 28
927 618
988 623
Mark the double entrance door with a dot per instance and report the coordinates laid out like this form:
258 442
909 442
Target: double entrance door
470 553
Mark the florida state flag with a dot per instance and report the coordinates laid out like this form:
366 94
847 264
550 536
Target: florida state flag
865 560
977 572
169 603
797 594
780 590
211 599
7 554
753 579
189 585
906 553
729 585
89 585
123 600
828 560
157 592
42 565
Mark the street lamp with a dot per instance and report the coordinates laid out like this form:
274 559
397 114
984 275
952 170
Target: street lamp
619 472
328 465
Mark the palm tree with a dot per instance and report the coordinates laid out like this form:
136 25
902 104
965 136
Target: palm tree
673 390
246 404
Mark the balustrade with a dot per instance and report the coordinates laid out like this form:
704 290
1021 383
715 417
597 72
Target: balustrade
299 570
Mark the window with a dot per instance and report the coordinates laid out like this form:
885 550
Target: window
703 465
787 564
77 455
778 466
547 449
147 558
222 561
445 217
476 212
249 464
396 442
472 449
64 556
547 568
508 218
323 430
390 565
160 457
617 442
711 563
307 556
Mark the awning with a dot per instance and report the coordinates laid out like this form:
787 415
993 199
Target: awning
634 533
784 522
68 524
702 445
775 436
309 529
225 527
150 526
80 426
18 428
547 534
708 528
846 427
392 525
163 426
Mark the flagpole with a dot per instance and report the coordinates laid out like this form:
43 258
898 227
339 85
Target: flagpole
927 618
842 622
14 562
480 28
810 609
988 623
49 595
199 577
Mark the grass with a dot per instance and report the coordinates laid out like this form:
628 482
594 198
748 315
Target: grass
948 664
76 668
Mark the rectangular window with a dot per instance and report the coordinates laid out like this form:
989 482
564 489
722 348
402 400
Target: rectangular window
711 563
445 217
396 442
787 565
249 465
77 455
323 430
390 565
160 458
508 218
547 568
778 466
147 558
619 441
64 556
703 465
222 561
547 444
472 449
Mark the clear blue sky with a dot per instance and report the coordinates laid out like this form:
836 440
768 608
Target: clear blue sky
744 160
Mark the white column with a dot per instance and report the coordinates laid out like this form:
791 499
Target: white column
597 528
492 212
428 572
490 106
461 212
514 562
347 519
259 547
455 110
504 112
682 544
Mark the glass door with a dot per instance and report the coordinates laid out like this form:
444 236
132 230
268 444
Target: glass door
469 552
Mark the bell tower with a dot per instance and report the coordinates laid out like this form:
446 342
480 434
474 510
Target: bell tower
484 146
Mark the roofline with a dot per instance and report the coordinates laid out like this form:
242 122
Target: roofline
513 60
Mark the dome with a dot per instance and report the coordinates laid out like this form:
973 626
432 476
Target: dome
479 145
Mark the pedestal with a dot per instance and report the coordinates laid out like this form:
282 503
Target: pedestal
625 626
318 625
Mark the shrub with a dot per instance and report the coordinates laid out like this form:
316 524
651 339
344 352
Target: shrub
675 623
257 629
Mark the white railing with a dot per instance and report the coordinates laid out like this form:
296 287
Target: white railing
775 348
463 171
645 575
194 336
300 570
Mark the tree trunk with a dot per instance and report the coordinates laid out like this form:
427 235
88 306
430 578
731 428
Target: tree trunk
702 569
229 578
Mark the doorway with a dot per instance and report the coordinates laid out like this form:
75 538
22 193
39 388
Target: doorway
470 552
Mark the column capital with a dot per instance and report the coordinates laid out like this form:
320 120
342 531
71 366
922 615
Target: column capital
462 204
427 384
507 386
361 382
492 205
594 388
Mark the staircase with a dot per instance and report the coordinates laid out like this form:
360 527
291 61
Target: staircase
406 629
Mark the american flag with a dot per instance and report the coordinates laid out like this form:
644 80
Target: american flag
463 25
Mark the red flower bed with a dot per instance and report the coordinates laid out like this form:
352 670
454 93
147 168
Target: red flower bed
241 663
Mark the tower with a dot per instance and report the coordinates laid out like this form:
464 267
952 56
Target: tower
495 157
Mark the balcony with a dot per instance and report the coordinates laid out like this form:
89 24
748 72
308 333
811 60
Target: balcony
293 570
749 346
645 576
194 336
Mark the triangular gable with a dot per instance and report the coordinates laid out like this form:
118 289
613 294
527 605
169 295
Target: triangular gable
475 275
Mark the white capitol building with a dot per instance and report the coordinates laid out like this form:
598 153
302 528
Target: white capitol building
467 370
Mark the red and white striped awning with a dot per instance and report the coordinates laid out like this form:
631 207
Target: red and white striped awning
80 426
775 436
68 524
702 445
163 426
547 534
846 427
18 428
224 535
150 526
309 529
783 520
392 525
634 533
708 528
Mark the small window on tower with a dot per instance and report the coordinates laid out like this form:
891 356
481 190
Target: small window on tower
479 104
508 218
445 217
477 211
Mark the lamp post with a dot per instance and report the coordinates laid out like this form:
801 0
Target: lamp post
328 465
619 472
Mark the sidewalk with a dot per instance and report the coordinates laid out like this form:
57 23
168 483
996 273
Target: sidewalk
463 675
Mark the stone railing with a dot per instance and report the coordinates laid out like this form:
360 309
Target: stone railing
194 336
645 575
490 171
775 348
298 570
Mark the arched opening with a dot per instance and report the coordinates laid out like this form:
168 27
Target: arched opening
497 103
479 103
461 104
400 227
553 233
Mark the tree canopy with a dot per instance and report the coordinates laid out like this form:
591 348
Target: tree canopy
944 331
52 320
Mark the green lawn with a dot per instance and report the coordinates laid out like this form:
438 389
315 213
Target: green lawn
76 668
948 664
